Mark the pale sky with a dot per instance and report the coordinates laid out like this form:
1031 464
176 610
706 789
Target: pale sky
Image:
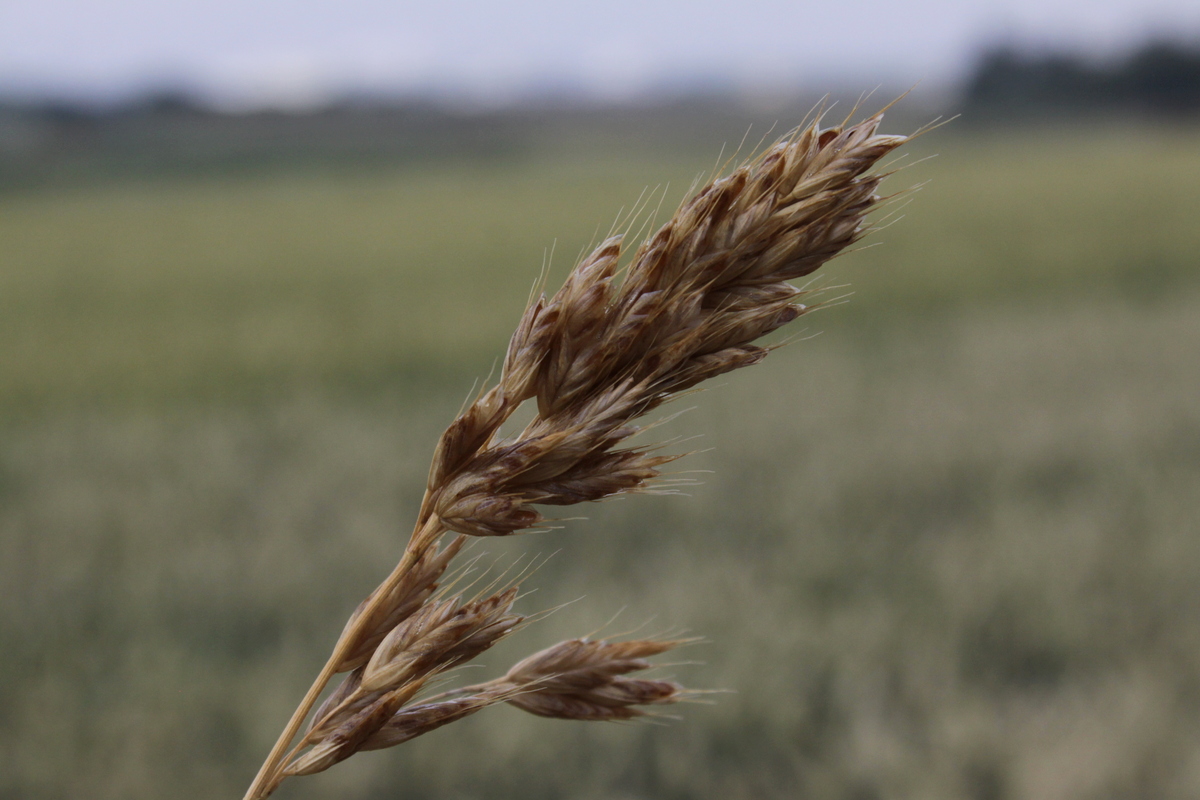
297 52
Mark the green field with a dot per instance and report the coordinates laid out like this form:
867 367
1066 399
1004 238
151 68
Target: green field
948 548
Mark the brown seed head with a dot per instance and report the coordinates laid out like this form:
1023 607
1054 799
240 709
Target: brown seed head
597 355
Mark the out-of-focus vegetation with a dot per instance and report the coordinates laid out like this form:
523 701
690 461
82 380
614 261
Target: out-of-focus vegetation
170 135
229 286
948 547
1159 79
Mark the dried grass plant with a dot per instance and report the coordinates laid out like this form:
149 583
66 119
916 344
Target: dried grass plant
610 346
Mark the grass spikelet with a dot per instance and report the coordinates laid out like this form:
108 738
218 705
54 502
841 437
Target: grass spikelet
585 680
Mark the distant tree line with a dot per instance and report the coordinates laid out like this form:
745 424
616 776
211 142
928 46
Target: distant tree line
1159 79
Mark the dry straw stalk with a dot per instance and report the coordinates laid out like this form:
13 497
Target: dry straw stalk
606 349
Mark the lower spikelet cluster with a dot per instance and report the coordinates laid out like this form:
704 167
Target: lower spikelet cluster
607 348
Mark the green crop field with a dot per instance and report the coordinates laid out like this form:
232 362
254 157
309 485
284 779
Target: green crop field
947 548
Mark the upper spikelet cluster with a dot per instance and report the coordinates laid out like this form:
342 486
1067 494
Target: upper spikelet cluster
695 297
608 347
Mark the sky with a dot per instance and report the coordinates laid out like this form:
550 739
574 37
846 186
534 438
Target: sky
297 53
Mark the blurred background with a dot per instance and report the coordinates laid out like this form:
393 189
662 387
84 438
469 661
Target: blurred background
254 256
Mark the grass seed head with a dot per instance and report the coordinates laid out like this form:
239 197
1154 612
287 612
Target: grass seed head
601 352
